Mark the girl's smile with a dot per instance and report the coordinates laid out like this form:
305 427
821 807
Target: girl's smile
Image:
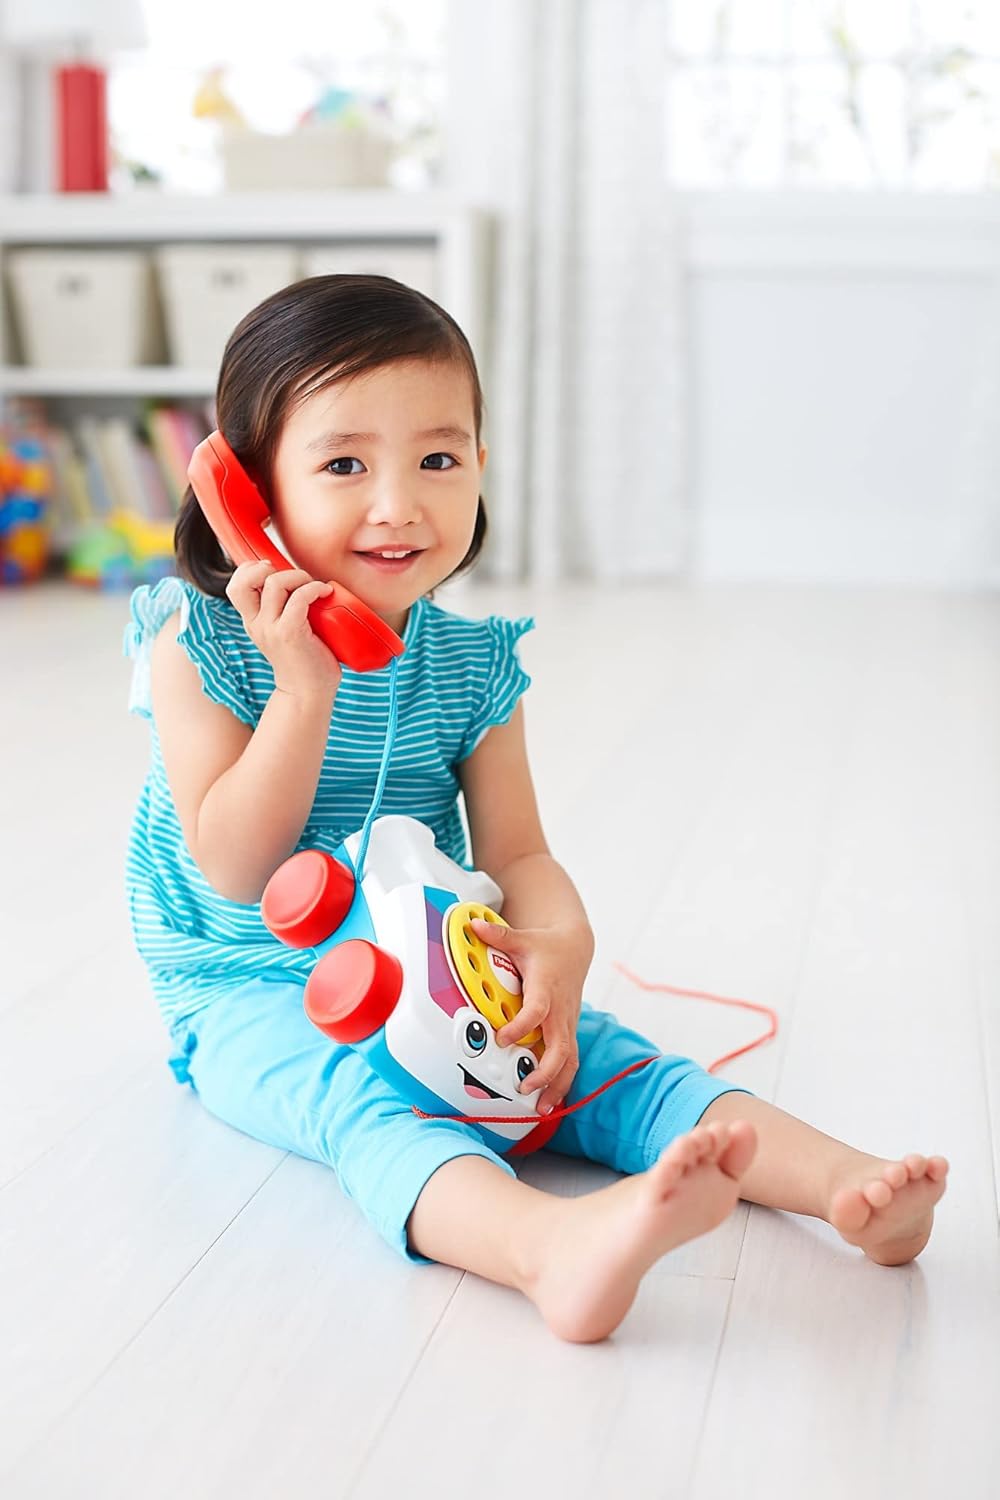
392 562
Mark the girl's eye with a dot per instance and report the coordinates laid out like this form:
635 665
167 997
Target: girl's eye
332 468
449 463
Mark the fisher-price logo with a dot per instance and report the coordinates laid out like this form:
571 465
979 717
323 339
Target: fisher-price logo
505 971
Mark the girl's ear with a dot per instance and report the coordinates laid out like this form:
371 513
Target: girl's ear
482 457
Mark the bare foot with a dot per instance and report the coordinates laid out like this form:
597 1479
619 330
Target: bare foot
887 1207
597 1248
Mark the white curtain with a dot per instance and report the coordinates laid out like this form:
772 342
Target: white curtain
558 126
10 120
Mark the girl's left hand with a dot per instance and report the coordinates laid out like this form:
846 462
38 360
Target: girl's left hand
553 964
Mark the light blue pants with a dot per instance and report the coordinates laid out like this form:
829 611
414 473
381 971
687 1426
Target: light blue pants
258 1063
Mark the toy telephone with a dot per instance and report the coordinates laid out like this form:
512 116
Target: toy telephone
237 512
400 976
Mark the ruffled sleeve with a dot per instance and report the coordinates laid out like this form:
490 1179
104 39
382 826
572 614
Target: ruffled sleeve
505 681
222 673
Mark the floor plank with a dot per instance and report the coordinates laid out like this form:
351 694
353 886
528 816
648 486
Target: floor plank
96 1235
69 1045
511 1410
73 765
270 1367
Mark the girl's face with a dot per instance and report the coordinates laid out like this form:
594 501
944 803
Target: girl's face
384 462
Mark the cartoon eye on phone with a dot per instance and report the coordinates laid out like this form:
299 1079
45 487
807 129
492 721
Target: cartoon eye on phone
237 512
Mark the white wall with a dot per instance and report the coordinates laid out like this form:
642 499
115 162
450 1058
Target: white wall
843 359
845 389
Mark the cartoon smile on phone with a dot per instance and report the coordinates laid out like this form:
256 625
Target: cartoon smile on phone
238 514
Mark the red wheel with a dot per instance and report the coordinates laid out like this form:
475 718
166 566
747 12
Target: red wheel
353 990
307 898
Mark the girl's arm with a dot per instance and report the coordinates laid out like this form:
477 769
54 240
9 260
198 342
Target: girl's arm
242 795
551 942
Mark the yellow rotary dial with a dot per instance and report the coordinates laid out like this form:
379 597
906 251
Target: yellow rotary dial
489 977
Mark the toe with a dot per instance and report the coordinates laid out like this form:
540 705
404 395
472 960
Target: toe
878 1193
937 1168
673 1162
667 1173
672 1165
694 1147
687 1151
849 1211
896 1174
916 1165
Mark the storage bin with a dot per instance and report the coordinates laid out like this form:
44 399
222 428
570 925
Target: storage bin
324 154
414 265
85 308
208 288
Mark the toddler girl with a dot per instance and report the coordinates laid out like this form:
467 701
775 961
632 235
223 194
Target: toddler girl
355 404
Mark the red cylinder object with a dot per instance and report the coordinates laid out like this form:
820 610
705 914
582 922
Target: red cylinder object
353 990
82 136
307 898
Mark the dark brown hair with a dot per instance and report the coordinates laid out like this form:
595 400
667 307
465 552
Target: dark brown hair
305 337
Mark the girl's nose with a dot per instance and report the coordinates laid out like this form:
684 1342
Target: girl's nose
394 507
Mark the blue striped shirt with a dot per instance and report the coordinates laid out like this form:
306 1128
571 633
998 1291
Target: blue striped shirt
457 677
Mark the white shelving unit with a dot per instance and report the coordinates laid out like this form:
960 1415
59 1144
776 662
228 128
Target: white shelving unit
460 237
139 380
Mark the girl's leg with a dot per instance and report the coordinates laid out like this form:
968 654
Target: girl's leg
257 1062
885 1207
630 1124
580 1260
435 1190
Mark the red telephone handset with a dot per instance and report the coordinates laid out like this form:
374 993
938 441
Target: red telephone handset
237 512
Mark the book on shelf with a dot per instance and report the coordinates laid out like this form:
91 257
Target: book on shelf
154 484
127 468
87 431
132 473
174 434
71 506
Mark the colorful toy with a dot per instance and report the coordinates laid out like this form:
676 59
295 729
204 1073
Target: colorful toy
212 102
122 551
401 977
25 493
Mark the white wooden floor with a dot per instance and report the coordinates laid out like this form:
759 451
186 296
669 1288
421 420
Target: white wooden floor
786 795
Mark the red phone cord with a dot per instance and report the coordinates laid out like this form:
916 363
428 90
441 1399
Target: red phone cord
643 984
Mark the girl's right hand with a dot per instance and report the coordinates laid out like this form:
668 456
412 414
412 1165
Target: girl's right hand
273 605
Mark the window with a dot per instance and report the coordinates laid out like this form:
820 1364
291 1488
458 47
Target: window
850 93
275 61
